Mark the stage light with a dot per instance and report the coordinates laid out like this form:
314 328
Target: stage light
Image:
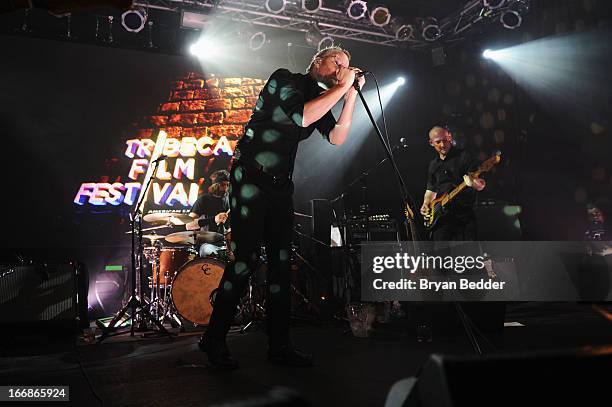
204 49
403 32
134 20
487 53
311 6
511 19
493 4
257 40
356 9
400 81
326 42
275 6
314 38
380 16
431 30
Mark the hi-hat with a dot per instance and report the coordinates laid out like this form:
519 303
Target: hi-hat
170 218
193 237
153 237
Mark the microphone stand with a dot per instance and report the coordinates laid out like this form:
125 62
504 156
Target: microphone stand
135 303
407 201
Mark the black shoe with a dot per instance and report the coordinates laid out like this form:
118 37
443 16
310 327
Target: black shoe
289 356
217 352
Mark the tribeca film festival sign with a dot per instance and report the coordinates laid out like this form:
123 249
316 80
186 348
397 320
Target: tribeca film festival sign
174 183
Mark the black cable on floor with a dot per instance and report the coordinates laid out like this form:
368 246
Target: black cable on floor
87 379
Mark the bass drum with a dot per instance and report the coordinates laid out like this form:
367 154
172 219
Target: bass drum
193 287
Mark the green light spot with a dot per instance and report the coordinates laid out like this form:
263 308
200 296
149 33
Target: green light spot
241 268
267 158
238 174
283 255
248 191
249 133
279 116
512 210
286 92
234 246
297 118
259 104
113 268
272 85
244 212
227 286
270 136
274 288
234 203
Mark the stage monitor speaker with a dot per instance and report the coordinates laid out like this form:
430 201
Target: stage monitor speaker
575 378
46 294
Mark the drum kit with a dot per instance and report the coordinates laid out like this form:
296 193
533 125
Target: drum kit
180 282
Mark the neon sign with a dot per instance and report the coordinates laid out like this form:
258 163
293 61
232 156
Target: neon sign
173 188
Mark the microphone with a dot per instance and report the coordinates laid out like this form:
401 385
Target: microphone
158 159
362 73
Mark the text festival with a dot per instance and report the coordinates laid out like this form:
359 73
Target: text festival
185 151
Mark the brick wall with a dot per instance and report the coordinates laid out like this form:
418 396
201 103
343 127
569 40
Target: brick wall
198 107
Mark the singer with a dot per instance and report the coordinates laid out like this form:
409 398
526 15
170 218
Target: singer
290 107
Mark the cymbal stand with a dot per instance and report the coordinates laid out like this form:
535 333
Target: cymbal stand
250 306
139 307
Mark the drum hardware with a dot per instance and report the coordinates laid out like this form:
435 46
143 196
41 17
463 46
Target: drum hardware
167 218
138 306
129 232
194 237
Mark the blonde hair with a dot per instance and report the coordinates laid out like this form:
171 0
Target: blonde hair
325 52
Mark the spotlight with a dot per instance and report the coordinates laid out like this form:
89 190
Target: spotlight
511 19
275 6
356 9
134 20
431 30
311 6
380 16
257 40
326 42
400 81
204 49
493 4
403 32
488 54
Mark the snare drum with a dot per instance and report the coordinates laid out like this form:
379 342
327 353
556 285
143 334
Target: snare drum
170 261
193 286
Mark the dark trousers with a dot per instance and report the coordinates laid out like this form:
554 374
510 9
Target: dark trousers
459 226
261 212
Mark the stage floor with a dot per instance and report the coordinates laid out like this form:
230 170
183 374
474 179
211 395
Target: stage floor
125 371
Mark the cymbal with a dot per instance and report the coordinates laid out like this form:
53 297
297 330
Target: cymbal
151 228
153 237
193 237
174 218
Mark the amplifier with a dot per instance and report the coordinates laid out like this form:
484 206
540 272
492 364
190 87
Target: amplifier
371 228
31 294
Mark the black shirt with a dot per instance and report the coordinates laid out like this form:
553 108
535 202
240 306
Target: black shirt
272 134
444 175
208 206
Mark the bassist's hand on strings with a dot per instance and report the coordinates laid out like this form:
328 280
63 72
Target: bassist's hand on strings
474 182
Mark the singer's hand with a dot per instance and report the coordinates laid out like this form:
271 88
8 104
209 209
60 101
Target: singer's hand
346 77
360 79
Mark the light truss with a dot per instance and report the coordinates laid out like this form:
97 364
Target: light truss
335 22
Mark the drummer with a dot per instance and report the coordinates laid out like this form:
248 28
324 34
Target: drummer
211 211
